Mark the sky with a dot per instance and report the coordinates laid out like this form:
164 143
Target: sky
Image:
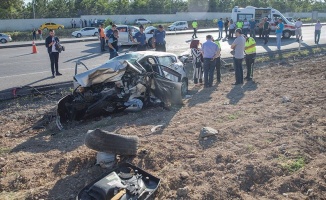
27 1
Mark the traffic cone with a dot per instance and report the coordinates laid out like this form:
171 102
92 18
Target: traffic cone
34 47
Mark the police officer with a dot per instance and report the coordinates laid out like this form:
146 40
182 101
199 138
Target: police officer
194 26
239 24
113 44
250 50
159 39
141 39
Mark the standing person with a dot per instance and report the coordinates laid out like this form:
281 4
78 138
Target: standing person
226 27
239 24
109 32
317 31
197 61
102 37
231 29
218 62
40 34
298 30
159 39
81 23
85 22
245 28
90 22
220 28
238 46
141 39
279 32
50 43
261 28
252 28
210 52
113 44
194 26
266 28
250 51
34 34
72 23
95 22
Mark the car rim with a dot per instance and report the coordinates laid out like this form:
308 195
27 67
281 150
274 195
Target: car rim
3 41
78 35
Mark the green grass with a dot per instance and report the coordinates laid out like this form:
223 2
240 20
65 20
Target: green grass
292 165
4 150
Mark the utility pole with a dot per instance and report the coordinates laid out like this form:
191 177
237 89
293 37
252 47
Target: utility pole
33 8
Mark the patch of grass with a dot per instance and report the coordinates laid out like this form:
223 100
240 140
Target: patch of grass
4 150
250 148
292 165
234 116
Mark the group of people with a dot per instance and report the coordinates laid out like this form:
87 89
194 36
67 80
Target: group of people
111 35
37 32
83 23
208 58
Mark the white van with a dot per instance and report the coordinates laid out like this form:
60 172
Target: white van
272 14
178 25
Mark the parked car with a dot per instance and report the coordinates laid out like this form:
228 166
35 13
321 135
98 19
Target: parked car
142 21
178 25
291 19
51 25
126 32
87 31
4 38
135 80
99 22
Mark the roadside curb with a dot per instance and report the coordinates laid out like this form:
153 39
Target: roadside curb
74 40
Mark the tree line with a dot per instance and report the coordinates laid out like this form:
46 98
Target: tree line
16 9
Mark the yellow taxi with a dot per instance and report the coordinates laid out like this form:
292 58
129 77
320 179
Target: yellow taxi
51 26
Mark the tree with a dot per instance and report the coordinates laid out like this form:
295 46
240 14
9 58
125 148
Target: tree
11 9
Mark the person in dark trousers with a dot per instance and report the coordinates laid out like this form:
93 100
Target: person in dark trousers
252 23
102 37
141 39
226 27
317 31
261 28
85 22
231 29
218 62
194 26
220 28
250 51
113 44
159 39
34 34
266 27
210 53
238 46
50 43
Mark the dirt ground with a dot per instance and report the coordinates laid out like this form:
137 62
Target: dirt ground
270 143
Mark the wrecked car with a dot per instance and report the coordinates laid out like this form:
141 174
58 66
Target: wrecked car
134 80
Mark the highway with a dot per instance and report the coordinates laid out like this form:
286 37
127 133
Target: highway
19 67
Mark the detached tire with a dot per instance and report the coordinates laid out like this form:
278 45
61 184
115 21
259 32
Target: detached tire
109 142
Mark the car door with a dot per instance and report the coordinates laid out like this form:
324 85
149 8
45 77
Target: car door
87 31
123 35
169 62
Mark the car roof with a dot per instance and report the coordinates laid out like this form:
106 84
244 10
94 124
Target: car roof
157 53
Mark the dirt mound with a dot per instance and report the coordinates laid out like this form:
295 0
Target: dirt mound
270 141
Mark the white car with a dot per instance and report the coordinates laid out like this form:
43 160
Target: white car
142 21
150 29
178 25
4 38
126 32
87 31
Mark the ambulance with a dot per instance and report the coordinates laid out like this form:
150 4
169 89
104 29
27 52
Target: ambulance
258 14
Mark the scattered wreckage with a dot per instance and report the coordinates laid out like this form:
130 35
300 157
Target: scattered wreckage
132 80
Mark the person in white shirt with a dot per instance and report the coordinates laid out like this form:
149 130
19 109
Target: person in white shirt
298 31
317 31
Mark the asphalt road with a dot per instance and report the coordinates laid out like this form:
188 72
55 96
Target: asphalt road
18 67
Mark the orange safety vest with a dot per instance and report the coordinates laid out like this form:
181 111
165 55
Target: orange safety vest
102 33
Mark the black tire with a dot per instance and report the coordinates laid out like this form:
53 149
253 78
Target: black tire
78 35
109 142
286 34
3 40
184 87
59 27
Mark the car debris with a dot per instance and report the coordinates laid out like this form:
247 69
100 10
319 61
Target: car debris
136 79
124 182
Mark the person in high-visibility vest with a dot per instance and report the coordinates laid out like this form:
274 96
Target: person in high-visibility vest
194 26
218 62
239 24
250 51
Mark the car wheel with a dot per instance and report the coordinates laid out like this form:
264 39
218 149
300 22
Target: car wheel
185 28
59 27
104 141
149 42
78 35
96 34
286 34
175 29
3 40
184 87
